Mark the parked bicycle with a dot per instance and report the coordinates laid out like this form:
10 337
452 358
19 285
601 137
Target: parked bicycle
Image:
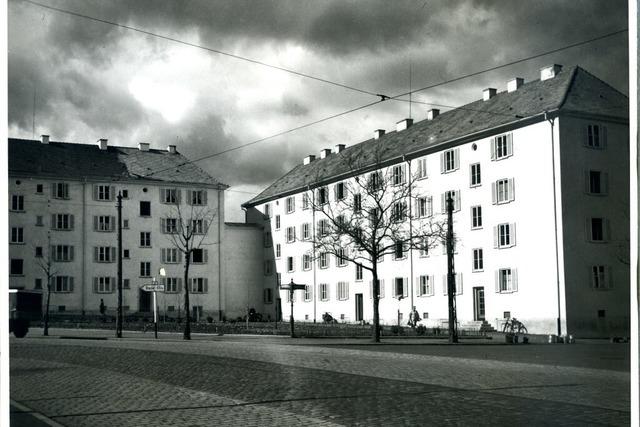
514 326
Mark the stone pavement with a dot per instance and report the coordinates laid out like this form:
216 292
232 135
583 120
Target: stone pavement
138 382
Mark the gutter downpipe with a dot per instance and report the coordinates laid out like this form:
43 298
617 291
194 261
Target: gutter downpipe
84 241
313 230
219 255
555 218
410 233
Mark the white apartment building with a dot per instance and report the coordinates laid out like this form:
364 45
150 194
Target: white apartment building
63 207
541 184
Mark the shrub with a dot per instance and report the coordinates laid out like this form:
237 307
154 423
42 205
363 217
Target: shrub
421 330
209 319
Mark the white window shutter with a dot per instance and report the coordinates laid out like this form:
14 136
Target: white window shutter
54 223
53 189
456 206
603 136
442 165
163 195
432 284
370 289
205 255
179 257
163 225
495 236
494 198
189 197
609 278
444 284
71 253
71 284
456 158
512 189
585 135
443 202
405 287
493 148
403 177
178 196
419 285
587 181
206 285
113 254
459 283
163 255
512 234
112 223
514 279
95 192
179 284
510 144
95 222
204 197
607 229
95 253
95 285
430 205
497 274
71 221
112 192
604 184
587 229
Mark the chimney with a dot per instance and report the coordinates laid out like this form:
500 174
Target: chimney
143 146
102 143
433 113
488 93
403 124
339 147
378 133
310 158
44 139
171 149
324 153
514 84
550 71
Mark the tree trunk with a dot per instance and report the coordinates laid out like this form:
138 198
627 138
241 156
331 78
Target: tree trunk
376 302
46 310
187 310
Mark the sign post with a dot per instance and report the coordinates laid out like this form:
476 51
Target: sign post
155 287
292 287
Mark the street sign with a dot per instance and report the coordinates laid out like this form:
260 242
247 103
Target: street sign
153 288
295 287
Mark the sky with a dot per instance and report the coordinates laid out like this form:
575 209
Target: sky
79 80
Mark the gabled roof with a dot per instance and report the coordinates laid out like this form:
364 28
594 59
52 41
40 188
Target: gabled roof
573 90
86 161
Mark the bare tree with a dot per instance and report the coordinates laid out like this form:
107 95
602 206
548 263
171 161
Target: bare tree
370 216
45 262
187 231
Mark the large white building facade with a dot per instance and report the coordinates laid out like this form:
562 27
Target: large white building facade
541 186
63 209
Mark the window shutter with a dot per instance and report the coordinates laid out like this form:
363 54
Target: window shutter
497 274
370 289
113 254
493 148
178 196
587 229
206 285
204 197
54 224
205 255
494 193
95 285
432 285
459 284
510 144
444 284
163 225
495 236
419 290
112 284
179 257
456 206
405 287
609 279
403 176
52 253
443 202
587 181
442 165
585 135
189 197
163 255
512 187
179 284
53 189
514 279
71 221
607 230
95 192
112 192
603 136
604 184
95 253
71 253
71 284
162 195
112 223
512 234
95 222
456 158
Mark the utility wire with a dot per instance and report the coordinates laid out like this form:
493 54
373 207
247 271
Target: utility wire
209 49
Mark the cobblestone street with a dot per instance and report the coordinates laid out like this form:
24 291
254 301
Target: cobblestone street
231 381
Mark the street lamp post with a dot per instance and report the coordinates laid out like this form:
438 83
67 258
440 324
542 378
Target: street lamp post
292 287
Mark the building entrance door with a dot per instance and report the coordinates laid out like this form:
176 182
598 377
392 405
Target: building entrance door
478 303
359 316
144 301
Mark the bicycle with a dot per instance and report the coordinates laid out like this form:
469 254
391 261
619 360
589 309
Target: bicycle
514 326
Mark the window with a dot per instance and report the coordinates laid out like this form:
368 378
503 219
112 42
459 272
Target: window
170 196
63 284
103 192
268 242
306 231
199 285
596 136
278 250
458 283
306 262
450 160
398 211
290 264
375 181
308 293
38 251
504 235
62 253
198 197
125 253
596 182
169 225
60 190
422 168
322 196
374 217
476 217
478 263
172 284
17 235
103 285
400 287
104 254
277 222
145 269
502 191
598 229
357 203
62 221
600 277
380 288
145 208
17 203
39 188
198 226
343 291
506 280
453 194
424 247
170 255
502 147
398 174
444 246
359 272
425 286
323 227
341 257
305 201
267 210
398 250
268 267
125 223
200 256
323 260
291 204
291 234
16 267
125 194
424 207
291 296
268 296
39 221
145 239
476 178
338 191
104 223
37 284
324 292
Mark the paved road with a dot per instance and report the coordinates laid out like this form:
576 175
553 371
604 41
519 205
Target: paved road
261 381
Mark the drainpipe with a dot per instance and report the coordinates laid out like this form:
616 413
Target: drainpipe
313 263
555 218
84 242
220 214
410 234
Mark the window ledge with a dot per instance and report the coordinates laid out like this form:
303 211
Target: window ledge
475 185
